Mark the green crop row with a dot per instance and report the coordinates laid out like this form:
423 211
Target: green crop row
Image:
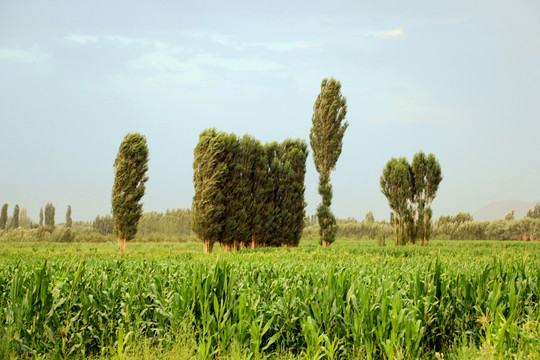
309 303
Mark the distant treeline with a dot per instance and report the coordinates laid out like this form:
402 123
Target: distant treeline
459 227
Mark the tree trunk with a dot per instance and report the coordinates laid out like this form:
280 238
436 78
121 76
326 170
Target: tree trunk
252 244
207 248
325 243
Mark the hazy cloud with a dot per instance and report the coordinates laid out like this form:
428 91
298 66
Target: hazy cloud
392 33
28 56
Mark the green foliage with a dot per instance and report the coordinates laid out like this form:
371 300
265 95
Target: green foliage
247 194
326 139
130 166
175 223
410 190
209 173
4 217
49 216
357 301
15 219
69 221
534 213
369 217
103 225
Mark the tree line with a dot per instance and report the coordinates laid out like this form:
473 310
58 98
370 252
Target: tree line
248 194
20 218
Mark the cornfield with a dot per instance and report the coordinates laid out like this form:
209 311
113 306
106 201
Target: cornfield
350 301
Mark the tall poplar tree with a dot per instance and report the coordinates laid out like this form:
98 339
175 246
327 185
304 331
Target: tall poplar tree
130 166
49 216
326 138
209 173
15 219
254 167
4 217
41 217
236 191
295 155
69 221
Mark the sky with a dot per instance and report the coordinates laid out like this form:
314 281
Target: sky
459 79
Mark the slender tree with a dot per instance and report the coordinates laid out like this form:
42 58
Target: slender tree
295 154
130 166
395 185
433 180
255 169
326 138
209 173
49 216
236 192
69 222
4 217
15 219
41 217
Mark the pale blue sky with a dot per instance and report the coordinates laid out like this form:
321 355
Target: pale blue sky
460 79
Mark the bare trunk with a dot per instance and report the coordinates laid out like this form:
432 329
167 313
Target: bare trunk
252 244
325 243
207 248
124 244
119 243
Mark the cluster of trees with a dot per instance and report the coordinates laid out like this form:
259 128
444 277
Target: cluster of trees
410 190
246 193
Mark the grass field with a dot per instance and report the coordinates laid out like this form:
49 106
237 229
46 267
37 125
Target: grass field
451 300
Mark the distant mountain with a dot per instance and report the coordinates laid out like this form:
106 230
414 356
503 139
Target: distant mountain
499 209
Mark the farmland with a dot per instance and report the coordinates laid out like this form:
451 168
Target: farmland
451 300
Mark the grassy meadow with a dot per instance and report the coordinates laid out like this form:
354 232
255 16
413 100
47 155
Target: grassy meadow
353 300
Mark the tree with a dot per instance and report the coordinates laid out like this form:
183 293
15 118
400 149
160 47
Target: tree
326 139
41 217
49 216
209 173
295 153
369 217
432 180
396 186
24 220
255 169
130 166
510 216
69 222
15 219
410 190
533 213
4 217
103 224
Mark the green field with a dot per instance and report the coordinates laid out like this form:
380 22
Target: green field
451 300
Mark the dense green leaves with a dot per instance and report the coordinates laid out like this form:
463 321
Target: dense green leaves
4 217
410 190
15 219
49 215
69 221
326 139
247 194
130 166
